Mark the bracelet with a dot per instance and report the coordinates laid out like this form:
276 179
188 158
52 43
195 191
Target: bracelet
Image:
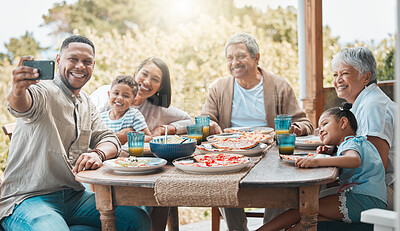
101 154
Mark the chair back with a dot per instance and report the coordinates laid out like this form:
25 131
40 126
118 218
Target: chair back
8 129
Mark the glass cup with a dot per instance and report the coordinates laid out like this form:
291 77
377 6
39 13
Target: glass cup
283 124
136 143
284 116
205 122
195 131
286 143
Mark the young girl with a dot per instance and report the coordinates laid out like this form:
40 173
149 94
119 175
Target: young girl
362 176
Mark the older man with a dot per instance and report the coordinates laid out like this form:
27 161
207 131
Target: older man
250 96
58 133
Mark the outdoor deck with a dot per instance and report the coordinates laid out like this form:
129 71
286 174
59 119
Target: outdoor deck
252 223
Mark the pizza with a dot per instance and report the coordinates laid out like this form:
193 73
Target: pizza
243 136
235 144
217 160
294 158
260 137
312 141
229 130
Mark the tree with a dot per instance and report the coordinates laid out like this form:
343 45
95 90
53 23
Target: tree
121 15
25 45
384 54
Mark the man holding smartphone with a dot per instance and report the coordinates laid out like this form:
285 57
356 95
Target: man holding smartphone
56 127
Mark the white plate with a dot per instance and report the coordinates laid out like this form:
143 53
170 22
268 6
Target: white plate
301 142
222 136
206 148
154 163
207 170
264 130
292 158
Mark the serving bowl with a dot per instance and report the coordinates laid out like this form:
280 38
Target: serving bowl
172 151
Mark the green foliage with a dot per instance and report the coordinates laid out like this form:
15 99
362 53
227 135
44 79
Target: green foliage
122 15
5 85
384 55
193 49
26 45
194 53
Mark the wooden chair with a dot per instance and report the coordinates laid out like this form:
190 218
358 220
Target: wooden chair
216 217
8 129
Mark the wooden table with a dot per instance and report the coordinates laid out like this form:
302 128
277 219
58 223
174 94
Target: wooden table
272 183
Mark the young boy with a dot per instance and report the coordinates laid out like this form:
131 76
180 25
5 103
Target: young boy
121 116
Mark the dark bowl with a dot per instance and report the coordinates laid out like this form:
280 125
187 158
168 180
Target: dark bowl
172 151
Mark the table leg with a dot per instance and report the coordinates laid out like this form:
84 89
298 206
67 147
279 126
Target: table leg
215 219
173 219
104 203
309 206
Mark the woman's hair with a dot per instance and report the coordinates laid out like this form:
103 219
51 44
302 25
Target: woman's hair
128 80
361 58
245 38
163 96
344 111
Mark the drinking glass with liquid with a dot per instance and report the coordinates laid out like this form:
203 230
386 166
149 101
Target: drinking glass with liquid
136 143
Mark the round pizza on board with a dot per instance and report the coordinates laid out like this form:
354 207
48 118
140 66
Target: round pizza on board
260 137
236 144
215 160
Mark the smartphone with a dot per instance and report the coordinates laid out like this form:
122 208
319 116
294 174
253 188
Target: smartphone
45 68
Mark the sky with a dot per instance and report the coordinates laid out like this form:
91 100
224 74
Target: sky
362 20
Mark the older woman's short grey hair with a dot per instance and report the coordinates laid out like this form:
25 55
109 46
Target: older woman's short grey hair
361 58
245 38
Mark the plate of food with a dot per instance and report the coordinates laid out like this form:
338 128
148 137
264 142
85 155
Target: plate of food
243 147
134 165
212 163
258 129
308 142
292 158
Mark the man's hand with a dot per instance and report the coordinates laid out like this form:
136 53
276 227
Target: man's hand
89 160
18 98
295 130
214 128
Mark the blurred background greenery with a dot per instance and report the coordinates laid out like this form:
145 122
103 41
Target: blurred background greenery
190 40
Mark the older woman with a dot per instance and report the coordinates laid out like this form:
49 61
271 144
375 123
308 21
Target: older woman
152 100
355 81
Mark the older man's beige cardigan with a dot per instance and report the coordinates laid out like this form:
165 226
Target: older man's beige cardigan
279 98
